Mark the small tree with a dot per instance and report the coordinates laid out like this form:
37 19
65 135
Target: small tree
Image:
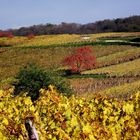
81 59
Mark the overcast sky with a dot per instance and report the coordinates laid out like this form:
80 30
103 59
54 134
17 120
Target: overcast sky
17 13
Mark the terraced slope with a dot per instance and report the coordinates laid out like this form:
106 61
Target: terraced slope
118 57
46 40
86 86
127 69
122 91
12 59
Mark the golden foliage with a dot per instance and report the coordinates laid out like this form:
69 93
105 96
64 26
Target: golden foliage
59 117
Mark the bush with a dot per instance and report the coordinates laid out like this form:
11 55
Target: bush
32 78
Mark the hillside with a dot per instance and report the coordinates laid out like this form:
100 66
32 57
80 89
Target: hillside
117 58
106 99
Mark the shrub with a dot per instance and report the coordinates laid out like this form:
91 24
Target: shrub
81 59
32 78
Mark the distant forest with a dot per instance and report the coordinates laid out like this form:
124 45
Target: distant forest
129 24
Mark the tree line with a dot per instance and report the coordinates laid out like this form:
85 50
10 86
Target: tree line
129 24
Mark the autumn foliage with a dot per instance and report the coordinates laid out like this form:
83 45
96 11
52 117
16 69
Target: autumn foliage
6 34
81 59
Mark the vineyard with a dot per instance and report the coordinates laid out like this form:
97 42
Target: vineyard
58 40
119 57
131 68
57 117
112 87
16 58
106 93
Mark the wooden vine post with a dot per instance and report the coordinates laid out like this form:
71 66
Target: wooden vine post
30 127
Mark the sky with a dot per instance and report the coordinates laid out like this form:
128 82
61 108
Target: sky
18 13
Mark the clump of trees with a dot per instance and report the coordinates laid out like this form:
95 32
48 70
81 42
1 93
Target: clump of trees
129 24
81 59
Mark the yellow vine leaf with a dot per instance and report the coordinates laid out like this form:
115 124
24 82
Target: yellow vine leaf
87 129
5 121
128 108
74 121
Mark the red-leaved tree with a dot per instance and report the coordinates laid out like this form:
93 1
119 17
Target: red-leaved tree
81 59
6 34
